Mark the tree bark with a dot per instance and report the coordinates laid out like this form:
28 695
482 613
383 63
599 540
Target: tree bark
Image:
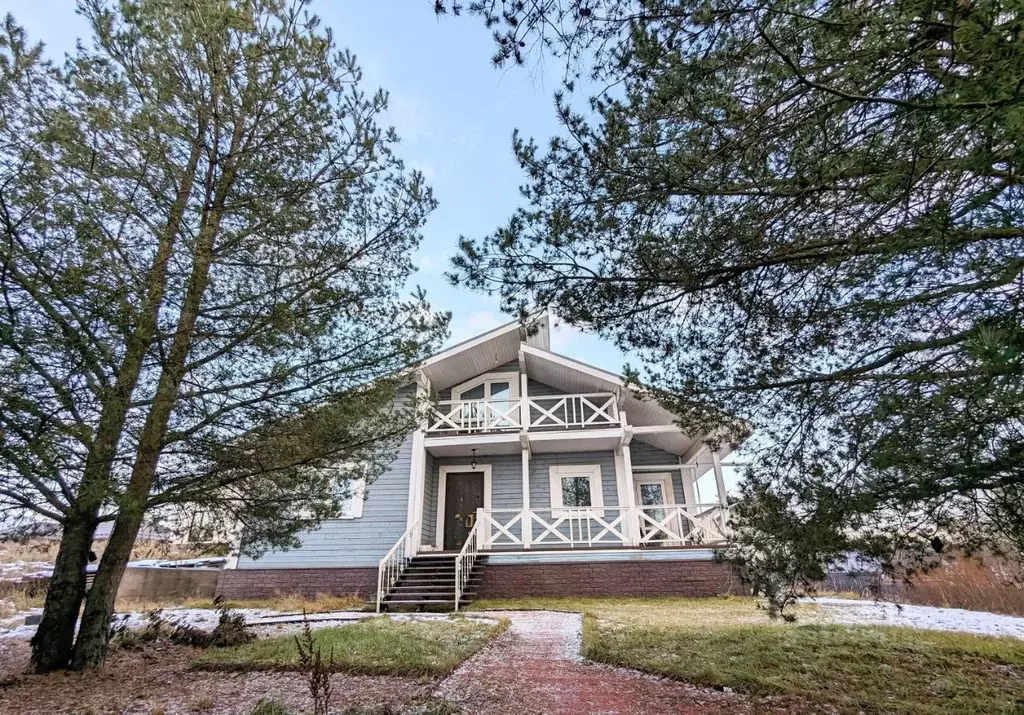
93 635
53 643
54 638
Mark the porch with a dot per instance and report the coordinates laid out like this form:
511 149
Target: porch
553 496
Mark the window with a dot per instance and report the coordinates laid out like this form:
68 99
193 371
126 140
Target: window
576 491
496 394
353 494
576 486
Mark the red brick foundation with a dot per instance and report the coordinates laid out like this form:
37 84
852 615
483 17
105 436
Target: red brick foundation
267 583
608 578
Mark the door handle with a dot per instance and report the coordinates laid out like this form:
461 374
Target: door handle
470 520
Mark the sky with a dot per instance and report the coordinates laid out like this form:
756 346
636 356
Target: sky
455 114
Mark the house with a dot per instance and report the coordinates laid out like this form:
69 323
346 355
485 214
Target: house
532 475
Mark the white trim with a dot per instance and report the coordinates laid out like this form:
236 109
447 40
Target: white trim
442 492
664 479
512 378
471 343
573 364
557 472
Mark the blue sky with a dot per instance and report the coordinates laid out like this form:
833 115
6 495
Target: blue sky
455 113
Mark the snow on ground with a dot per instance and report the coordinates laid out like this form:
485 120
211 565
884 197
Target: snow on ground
19 571
871 613
264 620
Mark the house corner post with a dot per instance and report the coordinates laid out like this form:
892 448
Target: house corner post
723 497
526 523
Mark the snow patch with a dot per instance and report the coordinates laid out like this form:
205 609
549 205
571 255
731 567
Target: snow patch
847 611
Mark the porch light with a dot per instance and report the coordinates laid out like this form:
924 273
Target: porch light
472 464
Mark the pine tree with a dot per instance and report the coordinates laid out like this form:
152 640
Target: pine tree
207 237
804 217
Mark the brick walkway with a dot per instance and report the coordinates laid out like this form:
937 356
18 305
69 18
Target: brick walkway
535 667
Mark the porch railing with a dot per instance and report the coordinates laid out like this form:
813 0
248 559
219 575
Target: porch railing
464 562
590 527
599 409
394 562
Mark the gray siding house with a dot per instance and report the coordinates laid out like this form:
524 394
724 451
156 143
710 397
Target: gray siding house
533 474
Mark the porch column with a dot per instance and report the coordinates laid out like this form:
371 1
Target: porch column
527 522
417 483
687 474
634 521
417 470
723 497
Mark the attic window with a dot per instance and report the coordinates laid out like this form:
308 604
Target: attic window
492 386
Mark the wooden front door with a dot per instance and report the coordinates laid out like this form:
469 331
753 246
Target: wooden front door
464 494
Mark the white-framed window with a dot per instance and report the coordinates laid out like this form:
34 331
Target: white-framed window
500 392
353 494
576 486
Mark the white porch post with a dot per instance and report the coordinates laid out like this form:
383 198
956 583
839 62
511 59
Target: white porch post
723 497
417 472
687 475
527 521
633 517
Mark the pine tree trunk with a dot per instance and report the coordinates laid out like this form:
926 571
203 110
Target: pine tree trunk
54 640
55 636
94 633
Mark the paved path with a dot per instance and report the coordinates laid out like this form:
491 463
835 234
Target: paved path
536 667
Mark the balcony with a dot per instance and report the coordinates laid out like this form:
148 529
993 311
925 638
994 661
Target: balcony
532 414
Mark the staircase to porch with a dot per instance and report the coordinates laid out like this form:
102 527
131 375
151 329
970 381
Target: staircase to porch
429 582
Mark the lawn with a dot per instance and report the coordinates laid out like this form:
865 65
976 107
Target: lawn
727 642
376 646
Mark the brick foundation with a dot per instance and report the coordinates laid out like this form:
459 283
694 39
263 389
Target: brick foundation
608 578
267 583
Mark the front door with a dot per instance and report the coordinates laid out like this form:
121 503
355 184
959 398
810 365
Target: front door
464 494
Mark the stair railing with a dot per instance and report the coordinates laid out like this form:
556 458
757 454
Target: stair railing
395 562
465 560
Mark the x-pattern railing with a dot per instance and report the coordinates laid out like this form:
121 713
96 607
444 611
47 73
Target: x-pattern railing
565 411
599 526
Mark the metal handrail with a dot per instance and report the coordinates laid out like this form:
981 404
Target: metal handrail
467 556
395 562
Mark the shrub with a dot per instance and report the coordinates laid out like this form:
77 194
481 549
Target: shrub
269 706
312 664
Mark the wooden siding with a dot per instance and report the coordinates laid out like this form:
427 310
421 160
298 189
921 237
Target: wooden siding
354 542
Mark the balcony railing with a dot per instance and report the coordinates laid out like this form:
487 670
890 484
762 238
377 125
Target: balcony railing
602 527
552 412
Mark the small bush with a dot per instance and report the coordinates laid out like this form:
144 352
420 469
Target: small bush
202 704
269 706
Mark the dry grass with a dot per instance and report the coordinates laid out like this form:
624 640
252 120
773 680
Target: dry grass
321 603
661 612
974 584
46 550
15 598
